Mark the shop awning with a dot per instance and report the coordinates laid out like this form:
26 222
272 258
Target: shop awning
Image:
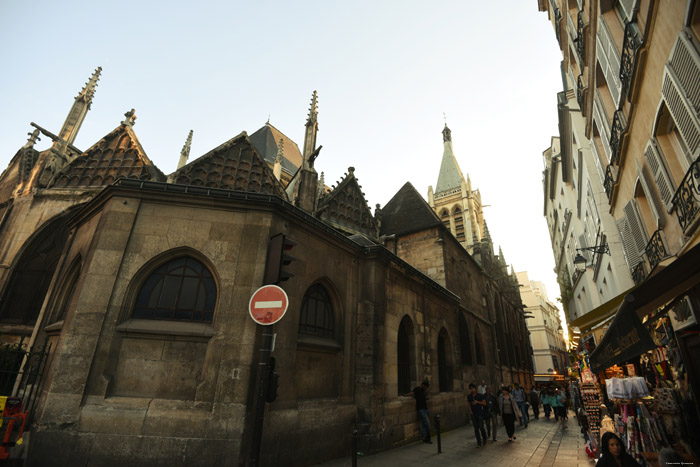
627 338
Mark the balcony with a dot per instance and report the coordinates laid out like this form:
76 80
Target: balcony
609 181
581 40
686 200
656 250
631 44
638 273
619 127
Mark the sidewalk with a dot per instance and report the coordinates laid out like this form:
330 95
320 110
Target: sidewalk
542 444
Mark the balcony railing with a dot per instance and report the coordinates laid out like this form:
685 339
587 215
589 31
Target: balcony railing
619 126
580 87
686 200
632 43
581 41
609 181
655 250
638 273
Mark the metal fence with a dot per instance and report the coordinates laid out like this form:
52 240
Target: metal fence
22 371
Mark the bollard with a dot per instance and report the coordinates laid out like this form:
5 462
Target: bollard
354 448
437 432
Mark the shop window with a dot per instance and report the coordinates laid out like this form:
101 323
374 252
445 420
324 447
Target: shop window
182 290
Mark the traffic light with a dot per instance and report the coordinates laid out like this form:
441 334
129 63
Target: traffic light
272 381
277 257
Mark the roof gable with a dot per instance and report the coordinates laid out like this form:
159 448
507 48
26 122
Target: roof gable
234 165
406 212
346 208
117 155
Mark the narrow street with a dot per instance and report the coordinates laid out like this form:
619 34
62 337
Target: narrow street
542 444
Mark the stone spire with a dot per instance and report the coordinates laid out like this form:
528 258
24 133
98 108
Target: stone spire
450 175
185 153
311 130
77 113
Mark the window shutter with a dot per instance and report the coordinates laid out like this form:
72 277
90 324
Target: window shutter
652 153
685 63
628 8
646 181
609 58
631 254
681 90
634 221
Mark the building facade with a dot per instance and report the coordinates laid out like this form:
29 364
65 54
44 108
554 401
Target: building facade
633 67
545 327
141 281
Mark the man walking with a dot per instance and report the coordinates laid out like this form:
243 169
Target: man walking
534 402
420 393
477 407
493 413
520 398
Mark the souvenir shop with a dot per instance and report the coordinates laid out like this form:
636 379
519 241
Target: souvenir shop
640 382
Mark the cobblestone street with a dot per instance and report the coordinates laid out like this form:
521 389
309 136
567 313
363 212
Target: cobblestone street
542 444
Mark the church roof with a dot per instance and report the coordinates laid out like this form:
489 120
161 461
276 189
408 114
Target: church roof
450 175
118 154
407 212
233 165
266 141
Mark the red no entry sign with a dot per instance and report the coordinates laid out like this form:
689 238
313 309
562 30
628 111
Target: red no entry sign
268 304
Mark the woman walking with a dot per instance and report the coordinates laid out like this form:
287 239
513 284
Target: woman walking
509 411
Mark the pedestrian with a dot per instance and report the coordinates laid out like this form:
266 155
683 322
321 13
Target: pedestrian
546 403
477 408
614 454
554 402
535 402
509 411
561 404
493 412
520 398
481 389
421 395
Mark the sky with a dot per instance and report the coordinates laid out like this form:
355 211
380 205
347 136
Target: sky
389 74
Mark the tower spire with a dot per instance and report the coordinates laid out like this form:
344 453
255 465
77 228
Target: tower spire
311 129
81 105
185 153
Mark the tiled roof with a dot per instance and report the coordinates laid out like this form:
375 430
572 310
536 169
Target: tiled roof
407 212
266 141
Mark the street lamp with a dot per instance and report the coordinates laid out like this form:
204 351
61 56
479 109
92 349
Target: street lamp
580 261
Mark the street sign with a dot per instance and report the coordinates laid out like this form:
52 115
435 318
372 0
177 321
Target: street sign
268 305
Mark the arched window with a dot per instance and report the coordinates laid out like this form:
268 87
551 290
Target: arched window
444 367
445 217
317 312
459 224
182 289
478 346
404 354
464 341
